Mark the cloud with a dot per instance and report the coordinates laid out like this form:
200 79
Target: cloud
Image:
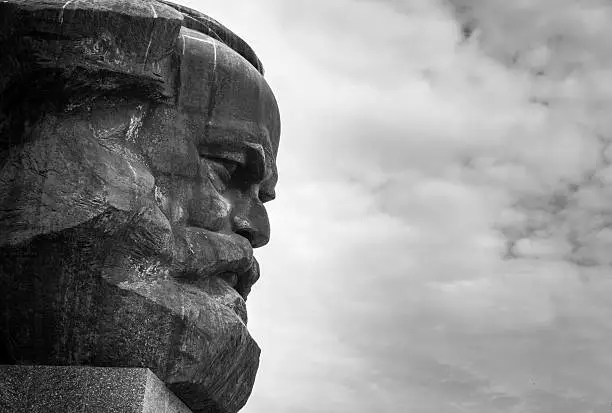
441 238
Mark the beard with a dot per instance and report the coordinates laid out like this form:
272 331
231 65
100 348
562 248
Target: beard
128 290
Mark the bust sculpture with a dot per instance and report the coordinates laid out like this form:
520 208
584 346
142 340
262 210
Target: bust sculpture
137 147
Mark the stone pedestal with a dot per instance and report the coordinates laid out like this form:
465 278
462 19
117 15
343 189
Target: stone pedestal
59 389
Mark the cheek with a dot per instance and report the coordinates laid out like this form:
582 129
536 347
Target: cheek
208 208
65 177
192 203
170 197
163 201
44 189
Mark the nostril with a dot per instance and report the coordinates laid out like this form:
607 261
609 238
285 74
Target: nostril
247 233
255 239
255 236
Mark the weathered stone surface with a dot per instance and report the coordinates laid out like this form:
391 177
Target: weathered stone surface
61 389
137 146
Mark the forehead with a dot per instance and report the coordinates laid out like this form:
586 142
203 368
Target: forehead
222 93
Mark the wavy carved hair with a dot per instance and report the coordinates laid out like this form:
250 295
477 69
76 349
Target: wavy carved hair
55 54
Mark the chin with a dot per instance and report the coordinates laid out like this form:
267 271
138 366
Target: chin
193 336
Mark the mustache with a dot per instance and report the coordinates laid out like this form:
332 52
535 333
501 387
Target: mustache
189 254
199 253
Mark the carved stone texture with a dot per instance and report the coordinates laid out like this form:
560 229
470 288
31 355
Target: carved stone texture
138 144
72 389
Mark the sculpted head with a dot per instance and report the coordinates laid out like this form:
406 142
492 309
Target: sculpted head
134 173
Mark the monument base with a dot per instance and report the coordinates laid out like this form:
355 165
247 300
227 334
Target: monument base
67 389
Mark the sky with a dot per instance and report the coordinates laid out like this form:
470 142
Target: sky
442 234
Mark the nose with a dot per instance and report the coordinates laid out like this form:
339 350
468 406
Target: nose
250 220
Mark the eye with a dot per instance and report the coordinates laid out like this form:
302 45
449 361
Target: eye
225 168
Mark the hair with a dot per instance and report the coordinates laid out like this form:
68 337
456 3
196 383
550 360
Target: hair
55 54
195 20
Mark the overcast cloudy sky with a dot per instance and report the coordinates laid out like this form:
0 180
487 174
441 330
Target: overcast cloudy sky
442 237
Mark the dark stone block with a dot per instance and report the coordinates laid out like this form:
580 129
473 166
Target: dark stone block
65 389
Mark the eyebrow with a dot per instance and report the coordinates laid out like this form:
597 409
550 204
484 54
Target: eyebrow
244 152
247 131
250 154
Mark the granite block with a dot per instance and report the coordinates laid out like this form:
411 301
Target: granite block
66 389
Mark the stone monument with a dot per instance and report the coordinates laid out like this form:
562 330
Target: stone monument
138 141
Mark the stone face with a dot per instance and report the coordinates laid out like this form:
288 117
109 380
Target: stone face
50 389
138 142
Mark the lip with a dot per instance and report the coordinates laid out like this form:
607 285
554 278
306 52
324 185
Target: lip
242 281
207 258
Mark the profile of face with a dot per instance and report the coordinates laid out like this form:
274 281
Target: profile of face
129 226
